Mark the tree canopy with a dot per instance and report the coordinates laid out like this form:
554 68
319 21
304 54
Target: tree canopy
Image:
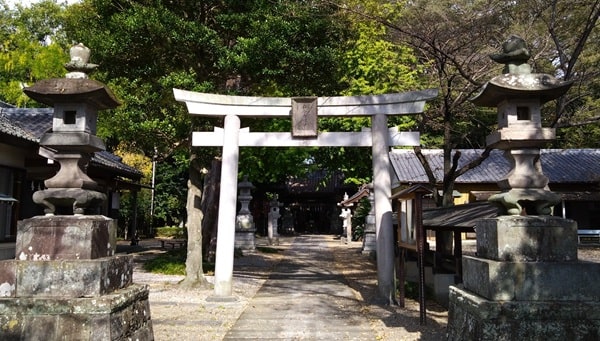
453 39
32 47
299 48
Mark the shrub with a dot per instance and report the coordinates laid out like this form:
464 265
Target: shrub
173 263
171 232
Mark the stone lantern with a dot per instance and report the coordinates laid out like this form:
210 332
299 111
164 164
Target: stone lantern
525 281
244 224
72 142
67 282
273 220
518 95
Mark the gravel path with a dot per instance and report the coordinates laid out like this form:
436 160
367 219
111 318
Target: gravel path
179 314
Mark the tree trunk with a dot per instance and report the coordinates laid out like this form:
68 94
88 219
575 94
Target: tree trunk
194 276
210 207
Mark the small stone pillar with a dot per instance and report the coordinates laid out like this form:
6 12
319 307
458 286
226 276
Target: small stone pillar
272 221
369 237
66 282
526 281
244 222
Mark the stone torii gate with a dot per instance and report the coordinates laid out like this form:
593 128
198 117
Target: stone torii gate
304 112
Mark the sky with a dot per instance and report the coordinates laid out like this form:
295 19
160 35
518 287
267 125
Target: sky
29 2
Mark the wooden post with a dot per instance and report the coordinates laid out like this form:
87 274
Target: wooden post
420 256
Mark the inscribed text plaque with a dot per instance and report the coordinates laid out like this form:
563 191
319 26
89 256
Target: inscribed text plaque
304 116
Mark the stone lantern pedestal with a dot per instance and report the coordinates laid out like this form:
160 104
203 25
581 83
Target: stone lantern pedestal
66 282
525 282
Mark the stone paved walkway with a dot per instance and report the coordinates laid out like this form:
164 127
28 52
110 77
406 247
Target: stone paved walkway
313 288
304 298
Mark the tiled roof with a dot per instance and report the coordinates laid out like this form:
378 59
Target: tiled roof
31 123
6 105
557 165
315 182
465 215
112 161
9 128
362 192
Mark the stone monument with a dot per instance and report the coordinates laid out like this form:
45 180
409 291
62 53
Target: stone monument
525 282
244 227
66 282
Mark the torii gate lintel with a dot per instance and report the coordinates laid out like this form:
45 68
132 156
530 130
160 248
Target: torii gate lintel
231 137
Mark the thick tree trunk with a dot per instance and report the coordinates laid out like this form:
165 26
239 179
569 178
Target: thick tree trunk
194 276
210 207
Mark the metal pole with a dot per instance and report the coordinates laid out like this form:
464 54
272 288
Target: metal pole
152 194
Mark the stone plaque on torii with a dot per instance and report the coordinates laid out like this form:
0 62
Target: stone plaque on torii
304 112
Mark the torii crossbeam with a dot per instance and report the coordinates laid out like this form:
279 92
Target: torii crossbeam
231 137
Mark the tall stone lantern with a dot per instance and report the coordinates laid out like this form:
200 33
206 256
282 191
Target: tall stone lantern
525 281
244 223
66 282
518 96
72 141
273 220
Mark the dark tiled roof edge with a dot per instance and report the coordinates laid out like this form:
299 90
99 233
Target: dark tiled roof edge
557 165
31 123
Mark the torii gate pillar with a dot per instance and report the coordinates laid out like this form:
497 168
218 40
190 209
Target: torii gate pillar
227 206
382 192
380 138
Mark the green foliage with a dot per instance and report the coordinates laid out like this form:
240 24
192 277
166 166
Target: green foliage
172 262
293 48
284 48
127 212
359 219
145 49
169 263
170 192
32 47
375 66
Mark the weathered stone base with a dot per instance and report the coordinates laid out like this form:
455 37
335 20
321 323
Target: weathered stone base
532 281
66 237
369 243
527 239
66 278
66 284
473 318
122 315
245 240
526 284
